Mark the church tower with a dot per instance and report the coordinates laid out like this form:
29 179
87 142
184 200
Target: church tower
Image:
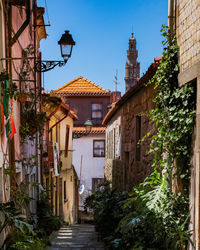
132 65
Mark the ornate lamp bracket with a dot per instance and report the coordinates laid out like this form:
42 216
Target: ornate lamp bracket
44 66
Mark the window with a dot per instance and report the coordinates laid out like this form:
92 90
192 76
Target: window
99 148
138 137
66 140
50 155
96 182
65 192
97 111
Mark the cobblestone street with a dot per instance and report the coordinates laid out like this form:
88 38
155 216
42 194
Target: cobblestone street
79 236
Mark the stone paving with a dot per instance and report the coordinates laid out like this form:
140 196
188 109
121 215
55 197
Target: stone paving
75 237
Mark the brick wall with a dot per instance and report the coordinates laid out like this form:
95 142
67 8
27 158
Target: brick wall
188 32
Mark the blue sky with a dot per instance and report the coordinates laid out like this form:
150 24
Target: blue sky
101 29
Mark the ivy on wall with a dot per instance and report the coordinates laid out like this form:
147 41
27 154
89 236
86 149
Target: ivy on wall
174 116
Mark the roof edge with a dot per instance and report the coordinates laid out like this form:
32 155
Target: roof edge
140 84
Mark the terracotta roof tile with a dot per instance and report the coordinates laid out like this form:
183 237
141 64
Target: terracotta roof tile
81 86
157 59
95 130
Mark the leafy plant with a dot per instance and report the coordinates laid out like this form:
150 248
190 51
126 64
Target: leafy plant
156 214
159 218
47 221
107 206
31 123
28 243
11 217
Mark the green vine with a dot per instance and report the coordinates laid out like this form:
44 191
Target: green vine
159 207
174 116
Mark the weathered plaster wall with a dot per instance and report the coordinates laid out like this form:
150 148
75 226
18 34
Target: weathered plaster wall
92 167
67 173
66 208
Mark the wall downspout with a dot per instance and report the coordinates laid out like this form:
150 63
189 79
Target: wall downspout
24 25
171 16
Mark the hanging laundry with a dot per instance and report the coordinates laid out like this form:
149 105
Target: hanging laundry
2 119
56 159
12 124
6 108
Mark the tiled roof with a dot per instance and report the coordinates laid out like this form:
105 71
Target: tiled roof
157 59
81 86
95 130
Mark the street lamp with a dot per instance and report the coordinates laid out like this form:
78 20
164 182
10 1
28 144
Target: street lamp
88 126
66 43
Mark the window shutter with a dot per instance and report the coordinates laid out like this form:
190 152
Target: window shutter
50 155
67 140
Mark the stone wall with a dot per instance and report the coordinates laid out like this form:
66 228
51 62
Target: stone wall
126 170
140 103
113 170
188 32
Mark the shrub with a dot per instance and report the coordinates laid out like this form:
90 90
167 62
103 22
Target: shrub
107 206
47 221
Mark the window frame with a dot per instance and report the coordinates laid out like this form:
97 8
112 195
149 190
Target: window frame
98 156
97 110
96 182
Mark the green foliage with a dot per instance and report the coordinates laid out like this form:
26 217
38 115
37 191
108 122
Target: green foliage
12 218
107 205
47 222
18 240
31 244
159 218
31 123
154 217
174 114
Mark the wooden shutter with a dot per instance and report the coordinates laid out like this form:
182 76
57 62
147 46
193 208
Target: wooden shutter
67 140
50 155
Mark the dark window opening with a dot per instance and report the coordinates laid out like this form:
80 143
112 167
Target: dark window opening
99 148
96 182
66 140
138 138
65 192
97 111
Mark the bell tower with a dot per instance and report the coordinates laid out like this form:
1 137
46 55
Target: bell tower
132 65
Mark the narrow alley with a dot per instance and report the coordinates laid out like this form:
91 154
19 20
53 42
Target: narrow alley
78 236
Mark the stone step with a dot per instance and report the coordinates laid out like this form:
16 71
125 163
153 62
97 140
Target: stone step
79 236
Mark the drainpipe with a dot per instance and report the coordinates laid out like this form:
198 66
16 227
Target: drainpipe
171 15
24 25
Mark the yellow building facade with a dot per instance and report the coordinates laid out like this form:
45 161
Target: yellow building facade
59 176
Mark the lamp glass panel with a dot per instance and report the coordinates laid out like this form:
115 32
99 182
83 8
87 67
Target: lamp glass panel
88 128
66 50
